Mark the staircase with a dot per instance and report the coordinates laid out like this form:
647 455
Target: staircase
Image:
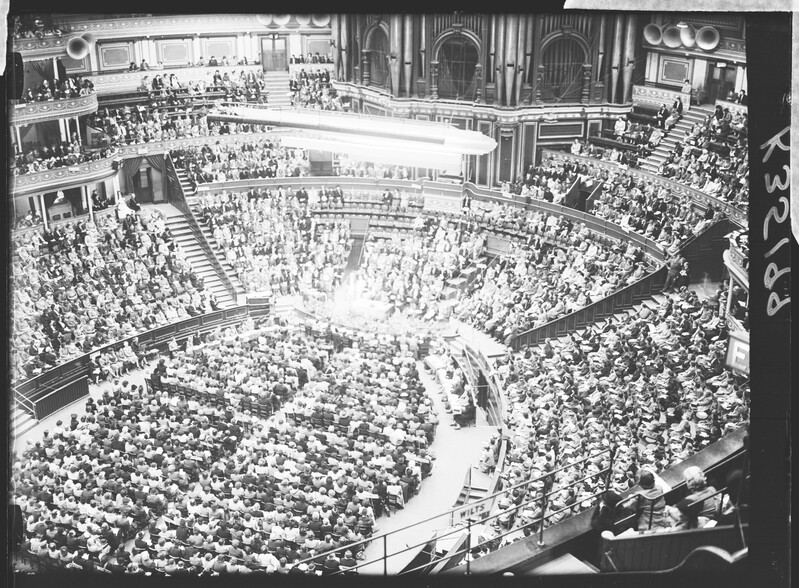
696 115
195 256
217 250
277 84
184 182
22 421
471 494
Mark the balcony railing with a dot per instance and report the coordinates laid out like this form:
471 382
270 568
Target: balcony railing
42 48
34 112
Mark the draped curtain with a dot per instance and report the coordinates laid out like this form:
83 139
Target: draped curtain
457 63
129 168
40 69
562 61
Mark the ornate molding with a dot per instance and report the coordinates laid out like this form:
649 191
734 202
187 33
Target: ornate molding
33 112
735 214
112 83
653 96
42 48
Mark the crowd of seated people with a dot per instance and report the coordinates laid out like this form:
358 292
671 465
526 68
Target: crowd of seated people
244 86
623 157
310 58
36 157
588 392
161 122
557 267
713 157
156 482
80 286
641 206
241 160
348 167
70 87
312 90
410 271
273 245
34 27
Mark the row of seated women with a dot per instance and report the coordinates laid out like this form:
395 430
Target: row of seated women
265 158
273 244
83 285
193 482
588 393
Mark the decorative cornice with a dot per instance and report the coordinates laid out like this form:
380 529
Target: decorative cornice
42 48
735 214
121 82
197 25
405 107
33 112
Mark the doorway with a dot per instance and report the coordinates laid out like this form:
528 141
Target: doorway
720 81
274 53
143 185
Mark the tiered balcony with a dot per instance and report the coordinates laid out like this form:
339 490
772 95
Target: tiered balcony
35 112
123 82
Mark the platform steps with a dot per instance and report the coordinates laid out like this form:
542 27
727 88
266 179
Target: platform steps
179 228
217 250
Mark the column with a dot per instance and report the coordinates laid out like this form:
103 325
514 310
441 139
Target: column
153 52
115 184
434 78
43 211
87 202
77 131
366 72
240 51
64 129
586 90
407 52
335 36
478 78
197 50
629 55
510 56
55 68
538 81
345 60
617 39
18 145
729 296
740 79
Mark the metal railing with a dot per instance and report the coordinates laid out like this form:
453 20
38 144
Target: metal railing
542 501
178 199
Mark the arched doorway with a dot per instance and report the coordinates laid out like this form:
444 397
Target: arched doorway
378 48
562 81
458 58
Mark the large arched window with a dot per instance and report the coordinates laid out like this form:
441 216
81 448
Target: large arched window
378 58
562 60
457 59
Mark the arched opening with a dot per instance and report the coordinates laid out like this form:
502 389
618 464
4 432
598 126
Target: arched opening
562 60
457 59
378 58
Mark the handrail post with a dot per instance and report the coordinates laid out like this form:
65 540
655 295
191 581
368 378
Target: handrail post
468 546
540 541
610 468
385 554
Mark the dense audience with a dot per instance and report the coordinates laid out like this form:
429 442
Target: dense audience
410 272
37 157
556 267
80 286
34 27
312 90
241 160
69 87
713 157
348 167
159 483
588 392
310 58
244 86
273 245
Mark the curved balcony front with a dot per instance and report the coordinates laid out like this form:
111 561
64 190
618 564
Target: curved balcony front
34 112
42 47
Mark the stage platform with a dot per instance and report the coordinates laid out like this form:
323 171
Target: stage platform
488 346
